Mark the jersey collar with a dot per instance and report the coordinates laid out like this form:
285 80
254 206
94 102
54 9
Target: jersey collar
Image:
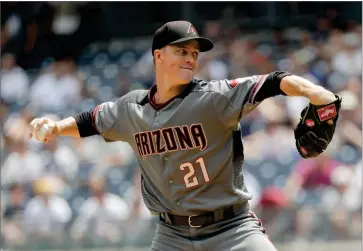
182 95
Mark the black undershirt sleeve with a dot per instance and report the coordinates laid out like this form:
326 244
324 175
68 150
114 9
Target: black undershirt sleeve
271 86
85 124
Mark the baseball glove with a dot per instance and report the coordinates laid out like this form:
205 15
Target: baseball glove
316 128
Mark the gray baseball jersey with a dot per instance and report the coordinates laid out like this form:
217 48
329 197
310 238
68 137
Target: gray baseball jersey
190 149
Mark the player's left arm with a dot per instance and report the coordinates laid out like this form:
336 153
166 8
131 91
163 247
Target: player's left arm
293 85
234 99
318 120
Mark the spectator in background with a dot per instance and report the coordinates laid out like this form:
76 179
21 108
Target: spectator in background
115 154
14 81
14 215
101 218
14 128
271 210
348 60
59 159
212 29
350 125
16 202
342 202
304 188
22 165
323 28
66 20
59 88
47 214
124 85
254 188
4 110
140 220
277 131
17 27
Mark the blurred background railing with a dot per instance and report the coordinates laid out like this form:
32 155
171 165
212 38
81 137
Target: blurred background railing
60 58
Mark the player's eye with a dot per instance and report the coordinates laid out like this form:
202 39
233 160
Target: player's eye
195 55
182 52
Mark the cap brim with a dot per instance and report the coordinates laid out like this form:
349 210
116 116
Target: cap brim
204 43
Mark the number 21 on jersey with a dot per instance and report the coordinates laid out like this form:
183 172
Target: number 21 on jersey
190 179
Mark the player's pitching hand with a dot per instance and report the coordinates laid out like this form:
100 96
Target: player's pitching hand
43 129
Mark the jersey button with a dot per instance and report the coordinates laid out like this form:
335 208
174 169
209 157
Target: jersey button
158 113
165 158
178 203
171 181
156 123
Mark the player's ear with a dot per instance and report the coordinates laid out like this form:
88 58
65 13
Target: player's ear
157 56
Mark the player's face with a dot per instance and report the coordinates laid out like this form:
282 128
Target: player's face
181 61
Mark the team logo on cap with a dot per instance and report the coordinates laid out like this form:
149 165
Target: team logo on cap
192 30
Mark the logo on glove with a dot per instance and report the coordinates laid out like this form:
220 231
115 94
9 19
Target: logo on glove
303 150
327 112
309 123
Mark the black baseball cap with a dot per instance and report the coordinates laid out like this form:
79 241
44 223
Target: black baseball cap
176 32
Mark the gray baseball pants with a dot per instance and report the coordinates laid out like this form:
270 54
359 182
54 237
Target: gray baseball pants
244 232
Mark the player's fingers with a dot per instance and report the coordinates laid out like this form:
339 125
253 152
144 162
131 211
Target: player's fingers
32 124
323 143
33 121
32 128
30 135
304 141
49 134
317 141
312 135
37 126
42 121
330 122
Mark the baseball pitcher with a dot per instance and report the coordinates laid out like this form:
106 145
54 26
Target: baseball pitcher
186 135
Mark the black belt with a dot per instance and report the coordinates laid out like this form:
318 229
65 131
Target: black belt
205 219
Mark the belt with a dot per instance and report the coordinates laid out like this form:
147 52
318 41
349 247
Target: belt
205 219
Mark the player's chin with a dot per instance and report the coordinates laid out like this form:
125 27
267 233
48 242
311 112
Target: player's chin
186 76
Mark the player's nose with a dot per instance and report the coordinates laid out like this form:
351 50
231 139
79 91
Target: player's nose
190 62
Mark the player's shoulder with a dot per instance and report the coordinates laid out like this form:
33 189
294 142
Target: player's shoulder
135 96
201 85
220 86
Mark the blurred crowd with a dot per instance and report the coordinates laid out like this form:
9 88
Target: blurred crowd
86 192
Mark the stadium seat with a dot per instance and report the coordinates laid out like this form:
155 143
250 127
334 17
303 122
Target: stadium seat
76 203
267 173
100 60
111 71
349 155
127 59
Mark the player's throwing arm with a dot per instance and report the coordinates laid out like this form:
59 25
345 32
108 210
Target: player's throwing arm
45 129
